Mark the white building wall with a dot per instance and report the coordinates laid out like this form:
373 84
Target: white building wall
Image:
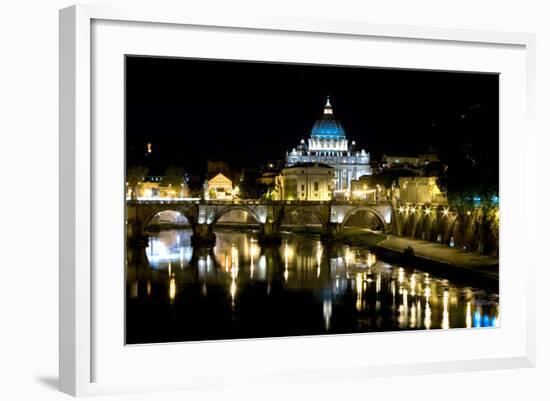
312 183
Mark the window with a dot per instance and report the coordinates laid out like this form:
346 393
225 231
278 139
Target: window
303 187
316 186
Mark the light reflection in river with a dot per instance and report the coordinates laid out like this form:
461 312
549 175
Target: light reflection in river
239 289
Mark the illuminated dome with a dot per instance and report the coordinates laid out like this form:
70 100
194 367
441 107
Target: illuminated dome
327 127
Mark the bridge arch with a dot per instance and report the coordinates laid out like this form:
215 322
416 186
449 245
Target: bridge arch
168 208
228 209
288 210
370 210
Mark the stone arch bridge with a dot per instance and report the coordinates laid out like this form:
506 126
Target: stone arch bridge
203 215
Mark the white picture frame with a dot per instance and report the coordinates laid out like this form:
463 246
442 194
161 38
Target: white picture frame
81 346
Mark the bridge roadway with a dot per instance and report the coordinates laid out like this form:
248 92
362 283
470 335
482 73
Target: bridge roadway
203 215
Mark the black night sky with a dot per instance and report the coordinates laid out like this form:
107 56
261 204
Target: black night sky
247 113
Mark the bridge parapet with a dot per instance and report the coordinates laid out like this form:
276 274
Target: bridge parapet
203 215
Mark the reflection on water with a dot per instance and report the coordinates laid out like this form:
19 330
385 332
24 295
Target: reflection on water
240 290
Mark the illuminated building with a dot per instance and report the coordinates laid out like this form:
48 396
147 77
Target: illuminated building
420 190
328 145
150 190
416 163
307 181
219 187
360 190
413 161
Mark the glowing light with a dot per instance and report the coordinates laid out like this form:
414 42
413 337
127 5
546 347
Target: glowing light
401 209
468 315
234 257
445 321
446 211
413 284
427 292
262 267
172 289
412 319
287 255
427 316
327 312
427 211
401 275
371 259
349 256
233 291
477 317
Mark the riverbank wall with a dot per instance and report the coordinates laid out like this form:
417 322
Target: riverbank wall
475 229
447 262
482 276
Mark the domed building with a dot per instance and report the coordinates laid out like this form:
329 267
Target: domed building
328 145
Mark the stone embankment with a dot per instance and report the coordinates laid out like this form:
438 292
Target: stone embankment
436 258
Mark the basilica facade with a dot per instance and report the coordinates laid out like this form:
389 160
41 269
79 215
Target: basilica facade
329 146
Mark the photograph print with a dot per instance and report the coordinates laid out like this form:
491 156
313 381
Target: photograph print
283 199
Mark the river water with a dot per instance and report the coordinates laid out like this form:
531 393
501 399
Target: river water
303 287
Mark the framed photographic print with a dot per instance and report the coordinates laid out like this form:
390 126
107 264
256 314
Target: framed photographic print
340 195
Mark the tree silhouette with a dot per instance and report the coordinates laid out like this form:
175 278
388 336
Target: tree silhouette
134 176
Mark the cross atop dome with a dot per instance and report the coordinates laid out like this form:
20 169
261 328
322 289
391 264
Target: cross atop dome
328 106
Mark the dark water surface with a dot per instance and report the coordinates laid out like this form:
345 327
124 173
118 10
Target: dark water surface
303 287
